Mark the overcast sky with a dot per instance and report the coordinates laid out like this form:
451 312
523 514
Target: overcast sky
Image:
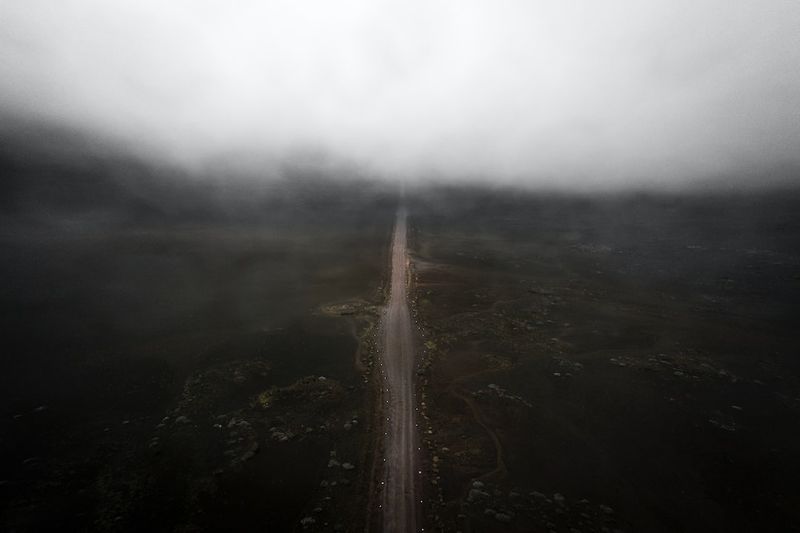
547 92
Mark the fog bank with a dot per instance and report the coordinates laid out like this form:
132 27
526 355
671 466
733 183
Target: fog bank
547 93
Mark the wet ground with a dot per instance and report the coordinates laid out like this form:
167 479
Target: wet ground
601 364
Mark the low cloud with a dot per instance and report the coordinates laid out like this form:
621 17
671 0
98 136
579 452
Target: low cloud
548 93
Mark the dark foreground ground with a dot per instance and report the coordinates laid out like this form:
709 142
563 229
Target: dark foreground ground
594 364
170 359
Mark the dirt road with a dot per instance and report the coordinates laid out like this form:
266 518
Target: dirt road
400 501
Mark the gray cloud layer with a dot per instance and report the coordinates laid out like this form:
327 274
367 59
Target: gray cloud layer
550 92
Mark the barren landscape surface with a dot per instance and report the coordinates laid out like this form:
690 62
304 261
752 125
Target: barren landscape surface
627 362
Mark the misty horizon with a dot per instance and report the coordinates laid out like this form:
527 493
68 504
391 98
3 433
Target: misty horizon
546 95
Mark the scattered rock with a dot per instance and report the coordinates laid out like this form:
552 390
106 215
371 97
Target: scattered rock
502 517
477 494
495 390
251 452
280 436
722 422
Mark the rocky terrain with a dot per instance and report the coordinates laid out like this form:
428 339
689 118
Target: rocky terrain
624 364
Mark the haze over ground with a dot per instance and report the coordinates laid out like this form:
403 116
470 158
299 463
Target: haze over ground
550 93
